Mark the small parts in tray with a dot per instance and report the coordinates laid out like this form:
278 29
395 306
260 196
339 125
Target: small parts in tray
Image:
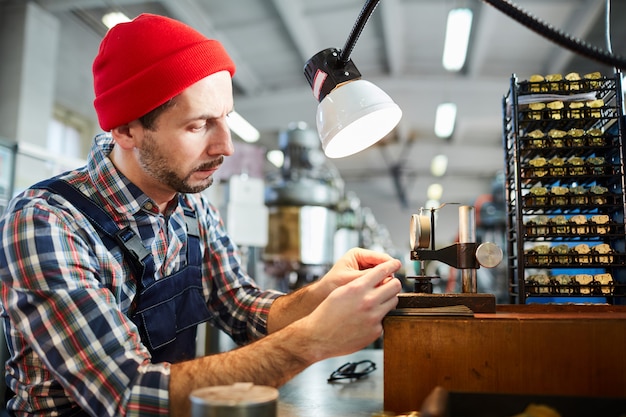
561 225
578 195
560 195
564 284
565 255
598 195
558 110
559 84
539 166
557 138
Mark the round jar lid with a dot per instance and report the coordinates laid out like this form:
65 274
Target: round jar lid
238 394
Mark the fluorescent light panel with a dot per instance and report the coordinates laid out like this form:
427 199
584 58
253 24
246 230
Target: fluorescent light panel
457 38
242 128
438 165
434 192
276 157
111 19
445 119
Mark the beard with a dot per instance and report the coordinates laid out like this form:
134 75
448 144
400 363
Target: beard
158 165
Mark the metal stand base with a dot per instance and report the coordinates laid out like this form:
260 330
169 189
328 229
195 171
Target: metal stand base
478 303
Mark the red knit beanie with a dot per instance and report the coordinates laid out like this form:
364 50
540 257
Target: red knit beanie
144 63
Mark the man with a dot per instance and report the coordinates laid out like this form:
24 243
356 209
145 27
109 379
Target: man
107 270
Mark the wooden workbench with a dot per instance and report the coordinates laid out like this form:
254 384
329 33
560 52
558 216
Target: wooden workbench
521 349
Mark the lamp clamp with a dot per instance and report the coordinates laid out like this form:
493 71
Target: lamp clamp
324 72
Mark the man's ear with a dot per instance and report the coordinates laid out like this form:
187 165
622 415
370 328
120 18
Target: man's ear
125 136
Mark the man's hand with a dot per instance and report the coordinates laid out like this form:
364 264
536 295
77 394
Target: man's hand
351 316
302 302
351 266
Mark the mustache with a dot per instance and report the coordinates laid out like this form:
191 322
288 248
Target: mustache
211 165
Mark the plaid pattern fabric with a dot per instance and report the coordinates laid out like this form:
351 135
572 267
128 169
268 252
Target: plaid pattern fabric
65 295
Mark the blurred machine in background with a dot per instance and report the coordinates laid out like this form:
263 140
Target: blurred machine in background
313 221
302 198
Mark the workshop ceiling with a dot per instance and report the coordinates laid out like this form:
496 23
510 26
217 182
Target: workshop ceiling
400 50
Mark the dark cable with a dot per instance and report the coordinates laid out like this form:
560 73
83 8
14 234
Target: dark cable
516 13
555 35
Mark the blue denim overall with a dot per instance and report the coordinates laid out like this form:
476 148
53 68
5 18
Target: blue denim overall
166 311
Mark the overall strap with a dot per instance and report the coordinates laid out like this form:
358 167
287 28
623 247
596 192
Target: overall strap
166 311
194 257
137 255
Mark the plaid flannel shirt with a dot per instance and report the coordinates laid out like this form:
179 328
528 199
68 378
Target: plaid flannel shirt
73 350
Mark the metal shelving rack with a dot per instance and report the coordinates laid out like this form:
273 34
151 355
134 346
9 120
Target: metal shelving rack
564 183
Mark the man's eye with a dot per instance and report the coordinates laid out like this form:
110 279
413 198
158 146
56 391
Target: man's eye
197 128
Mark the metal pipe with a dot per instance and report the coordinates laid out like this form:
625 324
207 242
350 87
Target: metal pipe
467 234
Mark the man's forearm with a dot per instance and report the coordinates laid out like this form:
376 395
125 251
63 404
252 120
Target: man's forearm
295 305
270 361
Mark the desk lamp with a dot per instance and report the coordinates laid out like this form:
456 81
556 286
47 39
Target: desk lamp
353 113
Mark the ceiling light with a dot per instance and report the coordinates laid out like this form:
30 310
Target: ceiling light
445 119
276 158
242 128
352 114
111 19
438 165
457 38
434 192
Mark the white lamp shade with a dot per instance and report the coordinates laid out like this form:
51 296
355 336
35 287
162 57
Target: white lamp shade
353 117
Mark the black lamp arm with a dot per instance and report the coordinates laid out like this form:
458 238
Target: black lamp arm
364 16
